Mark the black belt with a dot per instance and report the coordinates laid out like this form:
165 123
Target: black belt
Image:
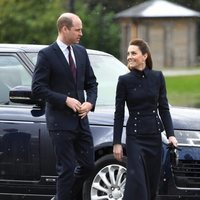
142 113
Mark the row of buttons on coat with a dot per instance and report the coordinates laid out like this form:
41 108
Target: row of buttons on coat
138 113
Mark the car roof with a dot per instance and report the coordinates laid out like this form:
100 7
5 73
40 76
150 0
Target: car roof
5 47
20 47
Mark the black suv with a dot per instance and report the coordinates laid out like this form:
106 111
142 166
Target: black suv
27 163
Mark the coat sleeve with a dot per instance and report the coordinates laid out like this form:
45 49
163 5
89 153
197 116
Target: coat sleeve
41 82
163 108
119 111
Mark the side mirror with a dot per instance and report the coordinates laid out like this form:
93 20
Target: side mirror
23 95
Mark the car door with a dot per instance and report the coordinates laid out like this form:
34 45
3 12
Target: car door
19 134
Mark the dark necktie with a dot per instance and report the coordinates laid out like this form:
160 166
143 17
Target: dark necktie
71 63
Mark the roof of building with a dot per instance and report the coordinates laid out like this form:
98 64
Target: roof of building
157 9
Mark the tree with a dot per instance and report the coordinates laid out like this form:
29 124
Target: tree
25 21
112 5
195 5
100 31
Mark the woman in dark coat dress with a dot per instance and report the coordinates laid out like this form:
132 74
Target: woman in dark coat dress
144 92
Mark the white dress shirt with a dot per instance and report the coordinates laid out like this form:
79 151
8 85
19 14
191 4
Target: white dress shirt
65 51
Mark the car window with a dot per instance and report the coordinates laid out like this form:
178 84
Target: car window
33 57
107 70
12 73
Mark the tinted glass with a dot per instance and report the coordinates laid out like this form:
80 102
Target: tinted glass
107 70
12 73
32 57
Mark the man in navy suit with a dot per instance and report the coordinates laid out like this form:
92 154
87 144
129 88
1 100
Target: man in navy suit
66 107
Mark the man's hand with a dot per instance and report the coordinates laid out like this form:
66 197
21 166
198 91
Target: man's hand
84 109
74 104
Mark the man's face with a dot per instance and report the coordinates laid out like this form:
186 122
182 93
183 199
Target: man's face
74 34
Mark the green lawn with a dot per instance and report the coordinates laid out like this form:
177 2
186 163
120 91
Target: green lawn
183 90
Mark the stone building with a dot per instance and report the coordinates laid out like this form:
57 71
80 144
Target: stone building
170 30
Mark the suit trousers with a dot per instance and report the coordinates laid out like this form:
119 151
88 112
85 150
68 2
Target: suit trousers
74 152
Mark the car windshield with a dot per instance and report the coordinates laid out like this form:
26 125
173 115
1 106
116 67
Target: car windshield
107 70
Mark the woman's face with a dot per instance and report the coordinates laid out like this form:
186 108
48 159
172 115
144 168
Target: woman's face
135 58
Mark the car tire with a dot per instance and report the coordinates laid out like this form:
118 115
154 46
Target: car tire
107 180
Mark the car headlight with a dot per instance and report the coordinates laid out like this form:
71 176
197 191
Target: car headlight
188 138
184 137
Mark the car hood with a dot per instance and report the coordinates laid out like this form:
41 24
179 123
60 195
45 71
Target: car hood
103 115
185 118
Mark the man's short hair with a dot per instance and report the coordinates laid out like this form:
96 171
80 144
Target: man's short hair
64 20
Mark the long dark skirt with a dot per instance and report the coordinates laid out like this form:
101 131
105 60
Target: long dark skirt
144 164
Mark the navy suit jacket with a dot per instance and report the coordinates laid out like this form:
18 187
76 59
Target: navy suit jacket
53 82
146 99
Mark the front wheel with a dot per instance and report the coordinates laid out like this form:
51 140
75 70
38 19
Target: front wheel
107 181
